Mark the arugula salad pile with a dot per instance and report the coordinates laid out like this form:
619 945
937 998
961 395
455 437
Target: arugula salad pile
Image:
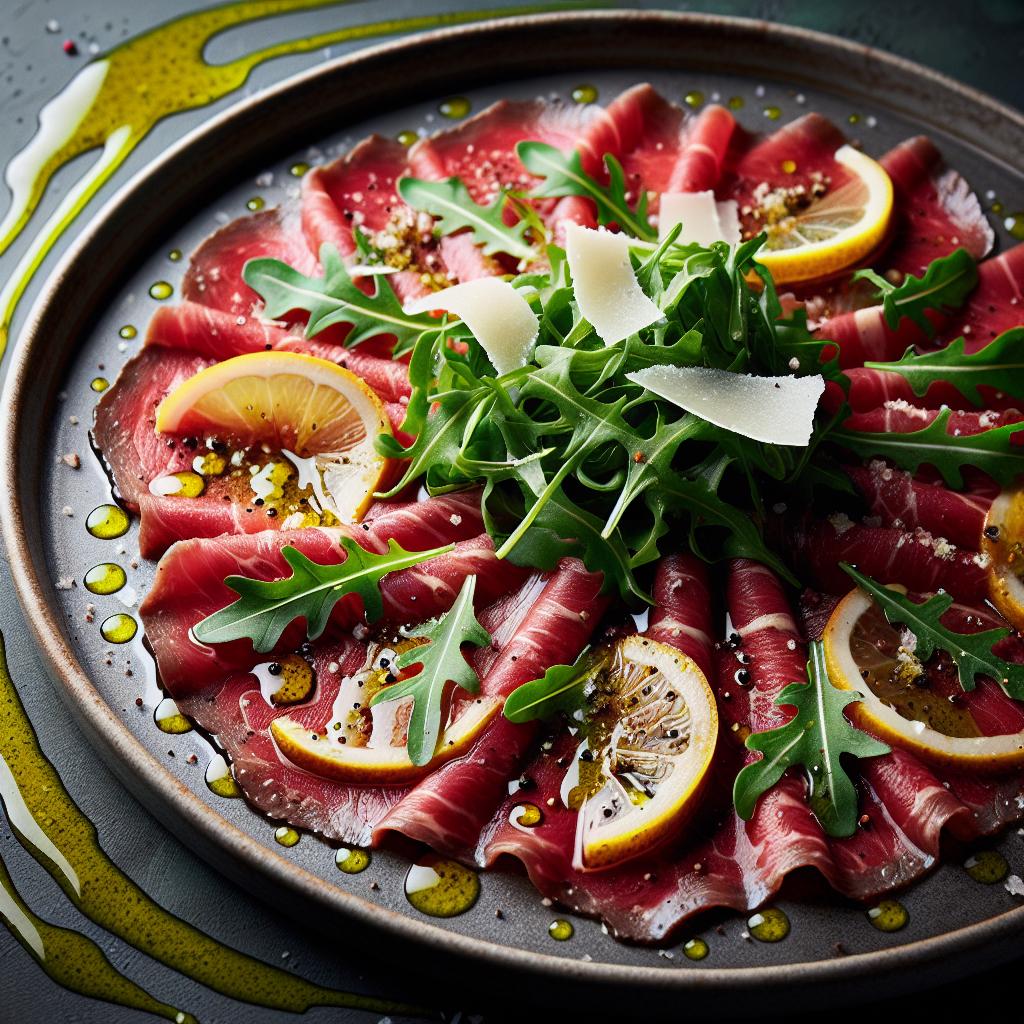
576 458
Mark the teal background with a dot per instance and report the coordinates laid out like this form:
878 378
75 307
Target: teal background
981 43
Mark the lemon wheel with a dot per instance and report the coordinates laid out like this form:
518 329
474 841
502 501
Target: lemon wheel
865 653
833 232
651 738
1003 542
293 403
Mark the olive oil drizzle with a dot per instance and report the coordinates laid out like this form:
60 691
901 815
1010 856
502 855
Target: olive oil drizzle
116 99
51 827
73 960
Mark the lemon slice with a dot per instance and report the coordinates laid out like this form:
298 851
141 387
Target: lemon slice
652 735
385 764
368 745
832 232
293 403
1003 542
865 653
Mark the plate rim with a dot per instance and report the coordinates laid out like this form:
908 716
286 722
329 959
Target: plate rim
224 843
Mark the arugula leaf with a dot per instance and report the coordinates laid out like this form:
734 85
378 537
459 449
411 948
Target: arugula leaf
334 298
995 451
450 202
561 688
971 652
441 662
816 737
999 365
265 608
943 287
563 175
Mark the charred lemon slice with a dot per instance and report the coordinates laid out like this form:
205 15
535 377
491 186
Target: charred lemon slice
906 702
827 234
1003 542
651 736
294 403
367 745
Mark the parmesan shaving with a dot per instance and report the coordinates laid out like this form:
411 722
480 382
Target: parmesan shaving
702 218
777 410
607 292
499 317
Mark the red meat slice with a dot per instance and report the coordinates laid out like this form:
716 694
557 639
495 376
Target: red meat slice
935 209
700 163
238 715
449 808
914 557
898 500
214 276
189 583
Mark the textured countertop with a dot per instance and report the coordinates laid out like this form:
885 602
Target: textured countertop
980 43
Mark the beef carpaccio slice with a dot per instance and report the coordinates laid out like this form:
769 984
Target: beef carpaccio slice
899 527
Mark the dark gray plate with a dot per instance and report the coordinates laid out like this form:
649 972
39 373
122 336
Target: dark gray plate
206 180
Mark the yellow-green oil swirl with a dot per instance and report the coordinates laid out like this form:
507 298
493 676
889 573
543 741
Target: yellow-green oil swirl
115 100
49 824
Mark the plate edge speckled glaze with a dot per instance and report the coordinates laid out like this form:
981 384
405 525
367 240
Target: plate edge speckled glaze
130 222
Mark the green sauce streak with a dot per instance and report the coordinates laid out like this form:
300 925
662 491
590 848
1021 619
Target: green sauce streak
48 823
154 75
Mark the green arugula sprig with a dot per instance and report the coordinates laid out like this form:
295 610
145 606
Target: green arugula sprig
997 450
562 688
816 738
999 366
971 652
563 175
451 204
265 608
441 663
334 298
943 287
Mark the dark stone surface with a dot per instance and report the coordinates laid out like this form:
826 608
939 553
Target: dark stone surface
981 44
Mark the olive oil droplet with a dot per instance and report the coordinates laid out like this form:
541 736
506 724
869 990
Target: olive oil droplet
186 484
735 102
441 888
772 113
255 203
987 867
174 255
297 170
584 94
1015 225
694 98
788 166
768 925
454 108
118 628
286 836
169 719
99 384
695 949
352 860
888 916
853 119
128 332
219 779
561 930
525 816
107 522
105 578
407 138
161 290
